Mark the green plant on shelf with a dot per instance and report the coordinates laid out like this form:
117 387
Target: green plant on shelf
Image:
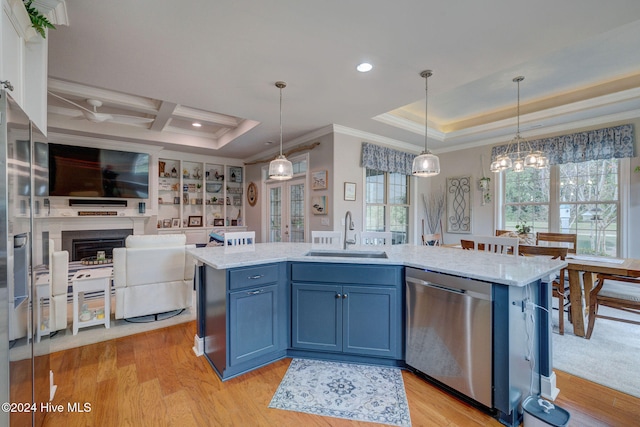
38 21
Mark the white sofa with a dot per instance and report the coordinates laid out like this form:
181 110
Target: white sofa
152 274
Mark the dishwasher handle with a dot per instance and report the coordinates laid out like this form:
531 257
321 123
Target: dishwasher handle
448 289
433 285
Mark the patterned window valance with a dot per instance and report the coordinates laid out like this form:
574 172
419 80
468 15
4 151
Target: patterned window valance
386 159
608 143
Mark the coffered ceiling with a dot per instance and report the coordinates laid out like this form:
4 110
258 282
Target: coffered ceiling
168 64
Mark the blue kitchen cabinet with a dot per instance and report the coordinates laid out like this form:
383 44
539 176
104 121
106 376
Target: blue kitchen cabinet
348 309
254 319
247 317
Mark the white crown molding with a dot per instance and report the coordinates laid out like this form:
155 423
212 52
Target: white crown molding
19 18
409 125
568 127
56 10
371 137
135 103
89 141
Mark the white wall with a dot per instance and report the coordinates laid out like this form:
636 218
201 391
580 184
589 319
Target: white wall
468 162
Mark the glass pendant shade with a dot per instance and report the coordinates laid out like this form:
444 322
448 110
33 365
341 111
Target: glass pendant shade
280 168
426 164
518 164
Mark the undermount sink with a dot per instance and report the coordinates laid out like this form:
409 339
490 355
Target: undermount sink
348 254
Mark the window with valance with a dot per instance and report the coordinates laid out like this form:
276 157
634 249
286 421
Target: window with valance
607 143
386 159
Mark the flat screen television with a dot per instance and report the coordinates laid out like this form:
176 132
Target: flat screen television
97 172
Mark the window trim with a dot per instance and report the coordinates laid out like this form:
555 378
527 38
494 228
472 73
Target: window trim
624 180
386 204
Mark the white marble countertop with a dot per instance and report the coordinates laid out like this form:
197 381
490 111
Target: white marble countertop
495 268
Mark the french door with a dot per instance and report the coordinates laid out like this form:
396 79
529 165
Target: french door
286 217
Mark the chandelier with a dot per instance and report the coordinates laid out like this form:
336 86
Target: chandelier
426 164
280 168
519 154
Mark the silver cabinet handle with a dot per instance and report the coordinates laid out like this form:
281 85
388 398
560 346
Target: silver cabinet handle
259 291
338 296
257 276
344 296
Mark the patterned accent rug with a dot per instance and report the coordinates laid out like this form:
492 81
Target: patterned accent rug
344 390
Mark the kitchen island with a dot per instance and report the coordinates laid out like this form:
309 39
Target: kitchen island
263 302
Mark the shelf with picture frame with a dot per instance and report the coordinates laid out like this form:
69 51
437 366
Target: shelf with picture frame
189 188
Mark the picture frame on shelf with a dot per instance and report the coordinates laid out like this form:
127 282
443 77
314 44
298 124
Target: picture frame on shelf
175 222
218 222
166 223
350 191
176 200
195 221
234 222
319 180
319 205
235 174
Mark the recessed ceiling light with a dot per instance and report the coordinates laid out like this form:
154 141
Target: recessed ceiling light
196 124
364 67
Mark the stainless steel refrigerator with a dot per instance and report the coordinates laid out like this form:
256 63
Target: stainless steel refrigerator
24 363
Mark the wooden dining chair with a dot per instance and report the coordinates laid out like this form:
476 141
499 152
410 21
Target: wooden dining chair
622 293
557 283
501 232
500 245
467 244
568 240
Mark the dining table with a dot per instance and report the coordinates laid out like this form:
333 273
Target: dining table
587 267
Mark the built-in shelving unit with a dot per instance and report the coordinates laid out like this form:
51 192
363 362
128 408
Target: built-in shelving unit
195 196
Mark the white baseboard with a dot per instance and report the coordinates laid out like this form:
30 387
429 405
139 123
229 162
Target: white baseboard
548 387
198 346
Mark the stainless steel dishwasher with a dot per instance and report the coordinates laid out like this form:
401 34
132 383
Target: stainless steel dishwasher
449 331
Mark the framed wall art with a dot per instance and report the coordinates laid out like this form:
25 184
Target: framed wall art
319 180
350 191
459 205
175 222
319 205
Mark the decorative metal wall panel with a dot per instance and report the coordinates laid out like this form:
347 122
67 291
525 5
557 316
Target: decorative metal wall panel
459 205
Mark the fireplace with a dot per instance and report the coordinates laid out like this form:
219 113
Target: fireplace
86 243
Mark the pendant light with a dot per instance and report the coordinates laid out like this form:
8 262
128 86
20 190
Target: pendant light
280 168
426 164
532 159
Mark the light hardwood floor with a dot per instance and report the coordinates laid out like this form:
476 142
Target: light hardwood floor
154 379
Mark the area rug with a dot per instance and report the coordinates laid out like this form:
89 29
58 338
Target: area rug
609 358
344 390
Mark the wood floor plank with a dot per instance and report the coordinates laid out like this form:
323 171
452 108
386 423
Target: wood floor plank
155 379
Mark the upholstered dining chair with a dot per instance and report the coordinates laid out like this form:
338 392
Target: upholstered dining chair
376 238
618 292
557 283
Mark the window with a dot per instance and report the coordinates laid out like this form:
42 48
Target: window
580 198
387 204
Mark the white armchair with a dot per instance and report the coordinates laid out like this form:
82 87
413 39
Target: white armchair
152 274
53 286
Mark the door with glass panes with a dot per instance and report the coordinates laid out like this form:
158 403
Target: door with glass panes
285 211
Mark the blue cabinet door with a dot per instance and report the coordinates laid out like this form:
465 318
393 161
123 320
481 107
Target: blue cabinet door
254 317
316 317
371 321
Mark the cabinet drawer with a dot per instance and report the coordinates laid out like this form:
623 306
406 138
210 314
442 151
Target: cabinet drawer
346 273
252 276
